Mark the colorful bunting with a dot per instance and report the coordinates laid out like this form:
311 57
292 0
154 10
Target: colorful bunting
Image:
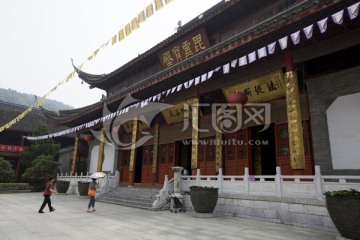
244 60
308 31
322 24
353 10
158 5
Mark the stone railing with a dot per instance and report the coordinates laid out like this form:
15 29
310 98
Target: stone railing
278 185
105 184
162 199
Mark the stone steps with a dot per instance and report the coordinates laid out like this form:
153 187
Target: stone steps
138 197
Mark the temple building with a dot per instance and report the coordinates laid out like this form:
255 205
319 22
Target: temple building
248 83
13 143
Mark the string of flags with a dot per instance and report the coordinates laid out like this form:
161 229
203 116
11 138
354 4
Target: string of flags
124 32
262 52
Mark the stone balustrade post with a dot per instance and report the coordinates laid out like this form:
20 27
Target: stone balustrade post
318 183
246 181
278 182
220 180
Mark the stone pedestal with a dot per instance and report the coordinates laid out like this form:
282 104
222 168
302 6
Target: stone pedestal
176 197
177 178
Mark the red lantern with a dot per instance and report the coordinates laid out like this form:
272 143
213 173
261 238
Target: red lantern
115 130
89 138
237 97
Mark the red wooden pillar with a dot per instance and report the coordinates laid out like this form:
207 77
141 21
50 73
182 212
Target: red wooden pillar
17 172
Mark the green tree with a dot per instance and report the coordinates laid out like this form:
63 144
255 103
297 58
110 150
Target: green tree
40 171
39 147
6 172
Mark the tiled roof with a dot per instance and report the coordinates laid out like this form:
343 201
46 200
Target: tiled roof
30 123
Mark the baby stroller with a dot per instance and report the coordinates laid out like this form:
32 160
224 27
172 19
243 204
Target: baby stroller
176 204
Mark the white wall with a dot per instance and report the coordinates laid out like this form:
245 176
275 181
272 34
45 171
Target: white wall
109 157
94 159
343 118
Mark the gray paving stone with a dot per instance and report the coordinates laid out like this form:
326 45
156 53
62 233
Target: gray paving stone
19 220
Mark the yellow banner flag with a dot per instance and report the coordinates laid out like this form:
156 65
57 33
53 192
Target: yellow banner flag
128 29
158 4
121 35
134 24
149 10
141 17
114 39
96 52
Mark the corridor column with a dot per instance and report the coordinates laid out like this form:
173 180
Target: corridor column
155 153
76 146
195 136
101 150
133 153
296 142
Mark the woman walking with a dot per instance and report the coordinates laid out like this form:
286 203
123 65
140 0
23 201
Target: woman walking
92 193
49 189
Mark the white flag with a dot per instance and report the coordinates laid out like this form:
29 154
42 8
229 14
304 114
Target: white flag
226 68
308 31
283 42
233 63
204 77
262 52
271 48
295 37
210 74
252 57
338 17
242 61
353 10
322 24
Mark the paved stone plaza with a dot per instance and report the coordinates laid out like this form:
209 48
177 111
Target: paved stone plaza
19 219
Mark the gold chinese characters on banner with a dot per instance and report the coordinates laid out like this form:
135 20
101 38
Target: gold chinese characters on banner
178 112
189 46
129 125
296 143
263 88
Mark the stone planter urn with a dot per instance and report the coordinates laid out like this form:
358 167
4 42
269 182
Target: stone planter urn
83 188
344 210
203 199
62 186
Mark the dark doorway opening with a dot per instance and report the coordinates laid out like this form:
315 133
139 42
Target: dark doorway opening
184 154
263 150
138 164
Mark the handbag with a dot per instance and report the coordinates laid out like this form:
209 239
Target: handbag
92 193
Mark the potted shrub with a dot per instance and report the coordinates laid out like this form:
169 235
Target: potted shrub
344 210
62 186
83 188
203 199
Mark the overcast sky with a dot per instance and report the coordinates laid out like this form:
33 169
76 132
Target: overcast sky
39 37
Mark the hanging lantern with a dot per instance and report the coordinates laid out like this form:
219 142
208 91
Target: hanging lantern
89 138
115 130
237 97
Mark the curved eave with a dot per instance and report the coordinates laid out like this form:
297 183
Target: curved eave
64 116
307 13
187 28
92 79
